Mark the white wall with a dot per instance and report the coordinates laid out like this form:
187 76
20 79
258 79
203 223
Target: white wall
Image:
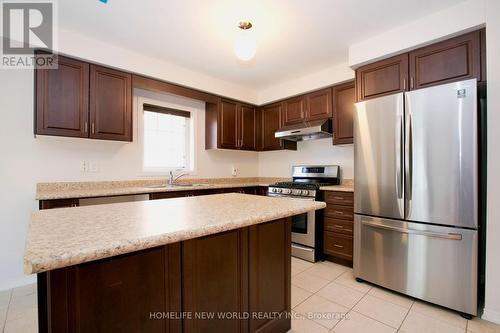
492 306
279 163
323 78
76 44
454 20
26 161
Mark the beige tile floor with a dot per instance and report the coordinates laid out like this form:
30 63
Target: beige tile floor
325 298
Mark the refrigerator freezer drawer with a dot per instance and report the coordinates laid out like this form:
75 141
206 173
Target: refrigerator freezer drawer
432 263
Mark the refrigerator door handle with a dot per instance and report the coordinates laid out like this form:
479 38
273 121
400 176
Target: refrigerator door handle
399 153
408 164
451 236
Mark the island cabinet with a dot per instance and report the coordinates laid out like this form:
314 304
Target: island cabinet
455 59
230 125
313 106
338 227
79 99
234 281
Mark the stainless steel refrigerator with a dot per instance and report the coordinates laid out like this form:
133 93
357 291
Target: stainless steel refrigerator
416 194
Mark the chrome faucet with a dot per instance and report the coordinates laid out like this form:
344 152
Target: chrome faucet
172 180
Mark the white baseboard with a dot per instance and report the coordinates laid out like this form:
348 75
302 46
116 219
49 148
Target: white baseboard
23 281
491 315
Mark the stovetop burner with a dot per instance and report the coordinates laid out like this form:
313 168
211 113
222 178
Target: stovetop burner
300 185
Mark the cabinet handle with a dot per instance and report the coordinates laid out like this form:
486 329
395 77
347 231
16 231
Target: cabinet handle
338 212
92 128
86 127
338 198
339 226
339 246
411 82
404 84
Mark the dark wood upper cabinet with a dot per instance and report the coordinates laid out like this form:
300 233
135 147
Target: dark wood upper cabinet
294 110
319 104
381 78
82 100
247 135
344 97
271 119
454 59
110 104
62 99
230 125
271 122
228 120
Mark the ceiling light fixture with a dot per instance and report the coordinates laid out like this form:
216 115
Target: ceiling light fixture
245 45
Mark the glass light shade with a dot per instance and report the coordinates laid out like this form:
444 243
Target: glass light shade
245 47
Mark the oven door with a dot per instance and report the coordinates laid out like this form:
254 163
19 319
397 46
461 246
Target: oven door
303 228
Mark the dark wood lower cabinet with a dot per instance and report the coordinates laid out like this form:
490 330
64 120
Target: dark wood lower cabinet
58 203
270 275
338 227
119 294
215 282
243 275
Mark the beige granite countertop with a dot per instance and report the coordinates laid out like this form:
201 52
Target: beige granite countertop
71 190
68 236
347 185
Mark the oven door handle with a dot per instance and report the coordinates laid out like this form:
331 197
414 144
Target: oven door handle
303 248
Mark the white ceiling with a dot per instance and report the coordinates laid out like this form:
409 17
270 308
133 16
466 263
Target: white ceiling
294 37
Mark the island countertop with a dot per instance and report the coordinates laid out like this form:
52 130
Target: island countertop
69 236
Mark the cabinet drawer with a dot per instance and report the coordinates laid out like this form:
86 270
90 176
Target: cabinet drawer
339 198
339 212
337 225
338 245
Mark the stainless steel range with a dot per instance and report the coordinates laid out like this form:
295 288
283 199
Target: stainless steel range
306 228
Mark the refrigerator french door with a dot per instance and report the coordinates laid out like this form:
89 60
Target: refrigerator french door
416 194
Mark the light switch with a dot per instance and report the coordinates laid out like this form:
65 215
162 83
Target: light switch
234 171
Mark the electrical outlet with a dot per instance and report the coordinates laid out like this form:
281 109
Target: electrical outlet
94 166
84 166
234 171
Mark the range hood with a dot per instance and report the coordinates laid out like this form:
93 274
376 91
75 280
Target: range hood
311 130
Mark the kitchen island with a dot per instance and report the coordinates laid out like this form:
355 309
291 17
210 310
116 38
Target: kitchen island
215 263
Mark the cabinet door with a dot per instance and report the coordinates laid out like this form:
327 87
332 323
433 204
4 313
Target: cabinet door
62 99
113 295
319 104
228 125
344 97
270 275
247 128
271 122
454 59
215 279
110 104
381 78
295 110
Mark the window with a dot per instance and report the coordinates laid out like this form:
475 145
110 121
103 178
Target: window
167 139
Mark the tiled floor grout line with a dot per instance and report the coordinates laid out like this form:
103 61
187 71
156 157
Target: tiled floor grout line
7 312
406 315
350 309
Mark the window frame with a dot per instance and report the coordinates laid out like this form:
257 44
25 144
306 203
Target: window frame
191 168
